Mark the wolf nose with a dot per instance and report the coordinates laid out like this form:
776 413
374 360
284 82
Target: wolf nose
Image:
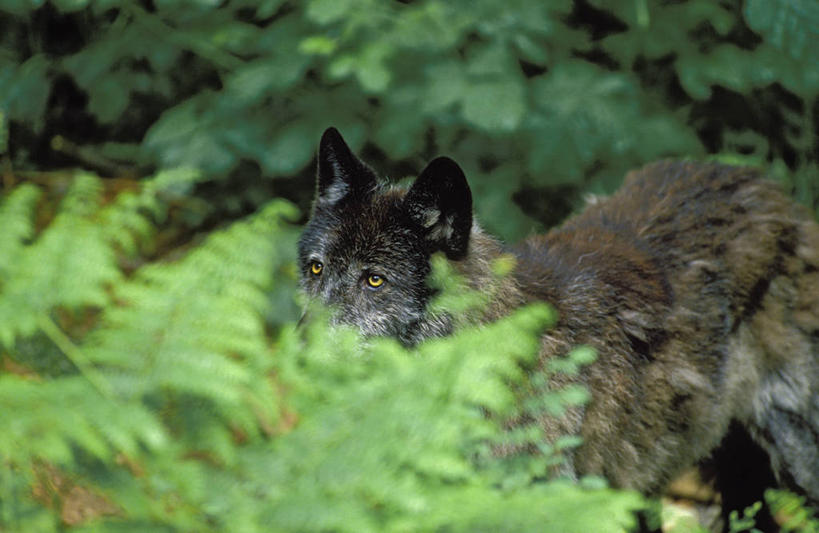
333 295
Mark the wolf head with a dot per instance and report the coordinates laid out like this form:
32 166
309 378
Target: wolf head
365 251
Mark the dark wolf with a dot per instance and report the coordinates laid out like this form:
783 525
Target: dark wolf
696 283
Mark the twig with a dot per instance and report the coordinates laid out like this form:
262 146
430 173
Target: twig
89 157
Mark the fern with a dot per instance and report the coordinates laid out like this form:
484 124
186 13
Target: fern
167 336
67 265
176 412
195 328
17 224
792 512
389 448
51 420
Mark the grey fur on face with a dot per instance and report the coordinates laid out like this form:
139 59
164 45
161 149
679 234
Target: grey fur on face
362 228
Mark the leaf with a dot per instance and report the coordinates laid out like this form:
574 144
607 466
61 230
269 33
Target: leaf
326 11
400 132
24 90
490 60
51 416
740 70
790 25
492 195
446 82
497 105
81 263
187 135
371 69
18 226
268 8
108 99
290 149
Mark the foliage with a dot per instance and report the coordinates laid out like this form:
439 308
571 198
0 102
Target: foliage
536 99
796 516
156 399
746 522
154 387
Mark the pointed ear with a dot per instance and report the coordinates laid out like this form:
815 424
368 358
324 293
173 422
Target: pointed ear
440 202
340 172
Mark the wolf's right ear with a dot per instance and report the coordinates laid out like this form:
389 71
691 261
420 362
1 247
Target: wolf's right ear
340 172
441 203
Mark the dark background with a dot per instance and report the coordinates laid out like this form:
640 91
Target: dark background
541 102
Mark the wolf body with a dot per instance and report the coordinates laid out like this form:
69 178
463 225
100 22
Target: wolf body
697 284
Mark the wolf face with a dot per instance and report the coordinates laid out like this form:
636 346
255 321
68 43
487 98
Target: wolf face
365 252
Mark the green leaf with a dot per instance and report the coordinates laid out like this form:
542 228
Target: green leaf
740 70
81 264
187 135
446 82
18 226
371 68
318 45
24 90
492 195
327 11
291 149
790 25
108 99
400 132
497 105
492 60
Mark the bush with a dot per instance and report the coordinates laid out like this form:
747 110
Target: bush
539 101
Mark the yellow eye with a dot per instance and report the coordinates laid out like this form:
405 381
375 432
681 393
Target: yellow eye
375 281
316 268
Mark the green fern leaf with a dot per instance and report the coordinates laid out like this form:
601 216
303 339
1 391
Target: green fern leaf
194 328
18 226
68 265
41 421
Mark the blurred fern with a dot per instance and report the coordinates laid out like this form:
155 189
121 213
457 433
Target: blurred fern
792 512
424 413
69 264
176 412
171 336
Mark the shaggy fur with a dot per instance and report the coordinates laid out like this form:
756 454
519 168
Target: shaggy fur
697 284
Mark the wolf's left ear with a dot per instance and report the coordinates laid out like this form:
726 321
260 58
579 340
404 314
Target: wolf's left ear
440 201
340 172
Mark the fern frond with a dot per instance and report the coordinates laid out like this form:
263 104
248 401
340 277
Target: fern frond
386 440
170 401
69 265
18 226
195 329
128 220
44 420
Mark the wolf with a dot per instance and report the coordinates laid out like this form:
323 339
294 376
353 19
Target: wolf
696 283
